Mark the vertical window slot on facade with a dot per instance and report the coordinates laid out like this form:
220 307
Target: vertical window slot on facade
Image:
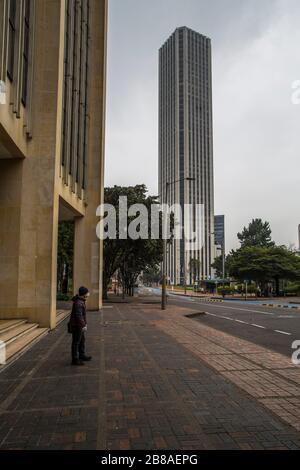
25 52
86 117
11 39
75 109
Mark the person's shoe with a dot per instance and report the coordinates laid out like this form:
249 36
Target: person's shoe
77 362
85 358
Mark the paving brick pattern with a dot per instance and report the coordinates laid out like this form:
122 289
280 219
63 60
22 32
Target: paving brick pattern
155 382
263 374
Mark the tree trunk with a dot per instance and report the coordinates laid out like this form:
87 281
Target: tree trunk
104 287
277 286
104 293
60 277
65 281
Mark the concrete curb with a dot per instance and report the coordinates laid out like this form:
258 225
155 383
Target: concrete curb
281 306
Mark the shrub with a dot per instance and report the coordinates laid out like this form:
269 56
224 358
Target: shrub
227 290
292 289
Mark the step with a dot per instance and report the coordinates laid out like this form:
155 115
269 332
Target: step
6 325
13 334
61 315
21 344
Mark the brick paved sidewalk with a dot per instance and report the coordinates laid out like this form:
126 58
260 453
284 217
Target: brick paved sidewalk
158 380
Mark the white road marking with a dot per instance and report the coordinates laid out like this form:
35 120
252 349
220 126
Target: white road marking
283 332
226 318
286 316
250 324
258 326
244 309
245 323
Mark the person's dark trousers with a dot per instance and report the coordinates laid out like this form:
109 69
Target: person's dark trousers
78 344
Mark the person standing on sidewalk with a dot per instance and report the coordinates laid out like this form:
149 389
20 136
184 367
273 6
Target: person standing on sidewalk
78 326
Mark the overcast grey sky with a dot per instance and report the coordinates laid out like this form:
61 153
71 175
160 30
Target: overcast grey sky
256 58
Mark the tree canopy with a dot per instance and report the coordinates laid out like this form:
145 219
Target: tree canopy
217 265
259 259
258 233
65 250
259 263
127 256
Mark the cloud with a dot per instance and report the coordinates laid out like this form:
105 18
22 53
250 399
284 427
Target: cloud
256 128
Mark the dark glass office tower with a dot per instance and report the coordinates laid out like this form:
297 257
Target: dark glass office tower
186 146
220 231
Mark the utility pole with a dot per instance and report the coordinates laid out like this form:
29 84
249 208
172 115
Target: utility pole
223 261
184 274
164 262
123 289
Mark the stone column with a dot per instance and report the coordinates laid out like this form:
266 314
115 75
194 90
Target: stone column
88 248
30 183
36 294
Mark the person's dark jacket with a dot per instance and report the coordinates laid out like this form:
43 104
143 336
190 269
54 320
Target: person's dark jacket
78 314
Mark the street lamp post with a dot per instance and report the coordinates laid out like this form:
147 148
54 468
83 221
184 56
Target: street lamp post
246 289
223 257
223 261
164 267
164 263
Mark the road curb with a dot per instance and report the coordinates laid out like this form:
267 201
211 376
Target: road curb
281 306
194 315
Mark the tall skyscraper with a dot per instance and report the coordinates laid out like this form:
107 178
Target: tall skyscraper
186 146
220 231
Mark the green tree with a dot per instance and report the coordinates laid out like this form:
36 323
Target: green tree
65 250
139 255
258 233
263 264
126 256
152 275
194 266
217 265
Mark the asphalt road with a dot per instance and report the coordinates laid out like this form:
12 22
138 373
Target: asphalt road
273 328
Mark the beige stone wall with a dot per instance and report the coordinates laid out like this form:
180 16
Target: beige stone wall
35 285
10 197
12 130
31 187
88 248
